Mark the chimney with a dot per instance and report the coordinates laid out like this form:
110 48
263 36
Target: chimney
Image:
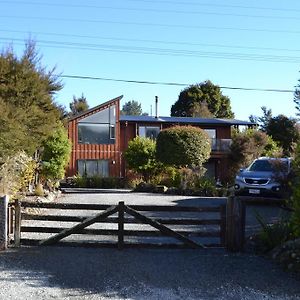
156 107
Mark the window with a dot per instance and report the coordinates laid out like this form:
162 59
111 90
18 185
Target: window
98 128
213 137
94 134
211 133
93 167
149 131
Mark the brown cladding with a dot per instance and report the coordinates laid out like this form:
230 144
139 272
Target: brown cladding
93 151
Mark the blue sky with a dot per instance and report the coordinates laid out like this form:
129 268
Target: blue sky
233 43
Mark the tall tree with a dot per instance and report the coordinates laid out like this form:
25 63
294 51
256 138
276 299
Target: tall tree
297 99
132 108
264 120
28 112
78 105
284 131
204 95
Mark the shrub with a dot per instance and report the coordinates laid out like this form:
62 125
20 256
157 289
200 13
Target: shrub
183 146
98 182
140 157
17 173
206 186
272 235
247 146
39 190
56 154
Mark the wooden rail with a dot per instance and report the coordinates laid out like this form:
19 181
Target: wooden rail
185 224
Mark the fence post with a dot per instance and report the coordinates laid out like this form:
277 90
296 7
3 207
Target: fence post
121 225
17 229
3 222
223 224
235 224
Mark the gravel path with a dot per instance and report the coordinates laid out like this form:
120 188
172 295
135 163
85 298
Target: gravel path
81 273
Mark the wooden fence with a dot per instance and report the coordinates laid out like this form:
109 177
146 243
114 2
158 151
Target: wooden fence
123 225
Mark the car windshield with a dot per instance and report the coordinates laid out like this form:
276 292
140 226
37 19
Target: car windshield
269 166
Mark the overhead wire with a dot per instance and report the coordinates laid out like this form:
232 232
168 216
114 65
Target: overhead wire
147 24
170 83
232 46
154 10
164 51
198 3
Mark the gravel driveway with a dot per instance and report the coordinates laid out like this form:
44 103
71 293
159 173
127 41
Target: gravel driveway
81 273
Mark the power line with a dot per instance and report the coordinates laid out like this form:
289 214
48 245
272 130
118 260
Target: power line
150 24
218 5
152 41
171 83
155 10
188 3
165 51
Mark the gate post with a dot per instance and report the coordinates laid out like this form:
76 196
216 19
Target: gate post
121 225
235 225
3 222
17 229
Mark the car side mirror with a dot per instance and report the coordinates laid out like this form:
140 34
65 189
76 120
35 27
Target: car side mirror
242 170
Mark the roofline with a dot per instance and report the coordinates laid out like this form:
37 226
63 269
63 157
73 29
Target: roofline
95 108
224 122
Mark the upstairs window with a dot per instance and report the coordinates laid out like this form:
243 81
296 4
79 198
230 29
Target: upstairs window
150 132
98 128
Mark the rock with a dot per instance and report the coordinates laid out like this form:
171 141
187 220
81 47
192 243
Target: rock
173 191
145 187
160 189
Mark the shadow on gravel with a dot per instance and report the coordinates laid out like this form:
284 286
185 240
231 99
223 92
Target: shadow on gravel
188 274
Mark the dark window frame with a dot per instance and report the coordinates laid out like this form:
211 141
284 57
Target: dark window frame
110 130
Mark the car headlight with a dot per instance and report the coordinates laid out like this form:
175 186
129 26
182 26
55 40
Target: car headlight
240 178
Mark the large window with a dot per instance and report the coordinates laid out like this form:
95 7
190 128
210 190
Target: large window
98 128
150 132
93 167
212 134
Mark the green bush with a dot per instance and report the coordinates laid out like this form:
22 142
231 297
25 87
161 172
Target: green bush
56 154
183 146
140 157
170 177
98 182
272 235
248 145
206 186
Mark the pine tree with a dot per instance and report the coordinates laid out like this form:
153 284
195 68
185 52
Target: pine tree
28 111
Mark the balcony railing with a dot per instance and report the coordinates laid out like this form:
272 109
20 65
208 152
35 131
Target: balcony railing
220 145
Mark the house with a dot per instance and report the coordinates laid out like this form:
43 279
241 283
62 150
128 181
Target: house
100 135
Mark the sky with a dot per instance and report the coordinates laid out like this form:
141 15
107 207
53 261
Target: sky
234 43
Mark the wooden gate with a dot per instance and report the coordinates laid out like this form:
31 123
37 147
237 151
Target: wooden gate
119 225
